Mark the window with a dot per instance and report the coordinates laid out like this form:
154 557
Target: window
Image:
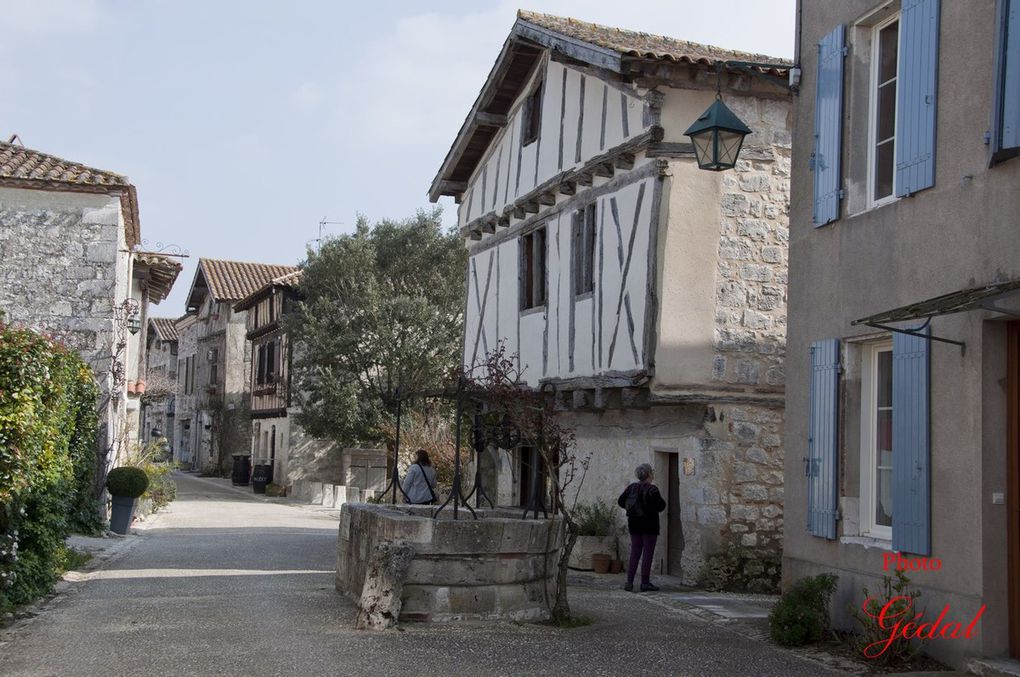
1007 110
584 250
882 149
877 440
531 116
532 268
271 362
213 373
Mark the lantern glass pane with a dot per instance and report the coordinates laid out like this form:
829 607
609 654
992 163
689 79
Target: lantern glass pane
703 148
729 147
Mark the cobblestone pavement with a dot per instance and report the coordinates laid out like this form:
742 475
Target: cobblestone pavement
221 584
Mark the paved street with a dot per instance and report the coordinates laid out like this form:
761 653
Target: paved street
221 584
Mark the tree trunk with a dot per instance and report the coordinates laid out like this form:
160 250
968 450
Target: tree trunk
561 607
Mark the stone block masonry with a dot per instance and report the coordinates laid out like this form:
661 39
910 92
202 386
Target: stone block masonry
496 567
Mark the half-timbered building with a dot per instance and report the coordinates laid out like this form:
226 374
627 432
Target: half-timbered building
213 357
648 295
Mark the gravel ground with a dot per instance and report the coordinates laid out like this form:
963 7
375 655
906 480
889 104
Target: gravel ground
221 584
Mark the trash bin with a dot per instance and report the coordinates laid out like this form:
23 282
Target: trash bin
241 471
261 475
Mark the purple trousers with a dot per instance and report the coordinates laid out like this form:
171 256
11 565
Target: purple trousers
642 547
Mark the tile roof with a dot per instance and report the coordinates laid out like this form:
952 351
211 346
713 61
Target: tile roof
291 280
643 45
234 280
165 327
18 162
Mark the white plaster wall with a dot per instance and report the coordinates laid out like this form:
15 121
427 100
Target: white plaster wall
509 171
606 339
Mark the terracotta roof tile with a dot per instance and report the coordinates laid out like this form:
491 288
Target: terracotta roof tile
18 162
165 327
291 280
234 280
644 45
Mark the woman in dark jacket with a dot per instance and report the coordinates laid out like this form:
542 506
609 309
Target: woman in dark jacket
643 503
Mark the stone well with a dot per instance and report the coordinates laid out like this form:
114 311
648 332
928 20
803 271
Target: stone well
496 567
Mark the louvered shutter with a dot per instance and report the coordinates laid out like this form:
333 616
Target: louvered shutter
1008 95
821 465
917 82
911 475
828 127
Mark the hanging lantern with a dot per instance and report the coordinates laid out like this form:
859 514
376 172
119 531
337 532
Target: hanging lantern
717 136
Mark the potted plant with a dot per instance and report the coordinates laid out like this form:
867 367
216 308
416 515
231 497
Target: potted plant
125 485
597 534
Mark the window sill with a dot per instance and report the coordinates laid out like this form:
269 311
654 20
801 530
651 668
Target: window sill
534 310
867 541
875 207
583 297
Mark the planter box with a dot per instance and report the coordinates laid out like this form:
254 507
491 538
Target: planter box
586 546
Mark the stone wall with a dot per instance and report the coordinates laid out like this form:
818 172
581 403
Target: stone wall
65 270
751 277
496 567
730 480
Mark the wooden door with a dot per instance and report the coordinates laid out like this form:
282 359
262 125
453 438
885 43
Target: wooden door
674 528
1013 483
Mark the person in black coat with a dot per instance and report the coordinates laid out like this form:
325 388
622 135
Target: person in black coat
643 503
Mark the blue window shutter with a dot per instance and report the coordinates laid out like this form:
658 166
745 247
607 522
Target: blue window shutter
822 463
1007 119
911 526
917 82
828 127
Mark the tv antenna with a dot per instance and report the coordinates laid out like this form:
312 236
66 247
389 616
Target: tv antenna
322 224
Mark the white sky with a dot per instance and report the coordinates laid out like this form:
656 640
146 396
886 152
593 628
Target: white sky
243 123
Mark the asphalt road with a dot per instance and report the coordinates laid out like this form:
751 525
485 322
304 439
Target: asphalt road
221 584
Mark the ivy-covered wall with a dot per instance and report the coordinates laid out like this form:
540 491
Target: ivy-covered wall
48 459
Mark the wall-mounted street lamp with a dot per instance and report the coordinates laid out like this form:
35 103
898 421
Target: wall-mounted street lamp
718 134
717 137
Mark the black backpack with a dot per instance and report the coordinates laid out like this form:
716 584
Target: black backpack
634 504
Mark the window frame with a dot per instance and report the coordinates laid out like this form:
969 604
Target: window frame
1001 153
868 442
531 115
873 84
583 250
534 282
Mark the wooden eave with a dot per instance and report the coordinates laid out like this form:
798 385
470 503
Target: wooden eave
488 115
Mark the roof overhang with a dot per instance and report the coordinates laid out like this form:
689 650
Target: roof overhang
974 298
521 51
159 272
488 115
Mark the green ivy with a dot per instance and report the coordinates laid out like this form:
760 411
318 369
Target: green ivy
48 459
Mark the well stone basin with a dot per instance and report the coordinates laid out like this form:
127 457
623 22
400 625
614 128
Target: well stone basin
494 568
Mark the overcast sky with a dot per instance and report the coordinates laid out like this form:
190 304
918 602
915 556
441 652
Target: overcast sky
243 124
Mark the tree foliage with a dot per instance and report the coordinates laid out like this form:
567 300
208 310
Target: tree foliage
381 308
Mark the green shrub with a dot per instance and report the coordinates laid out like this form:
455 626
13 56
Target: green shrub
48 459
127 482
596 519
151 459
899 650
802 614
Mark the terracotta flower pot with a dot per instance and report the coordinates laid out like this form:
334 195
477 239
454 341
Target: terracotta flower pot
140 387
600 563
616 566
131 387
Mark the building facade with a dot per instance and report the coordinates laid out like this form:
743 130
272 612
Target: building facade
214 361
648 295
902 371
160 390
73 267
